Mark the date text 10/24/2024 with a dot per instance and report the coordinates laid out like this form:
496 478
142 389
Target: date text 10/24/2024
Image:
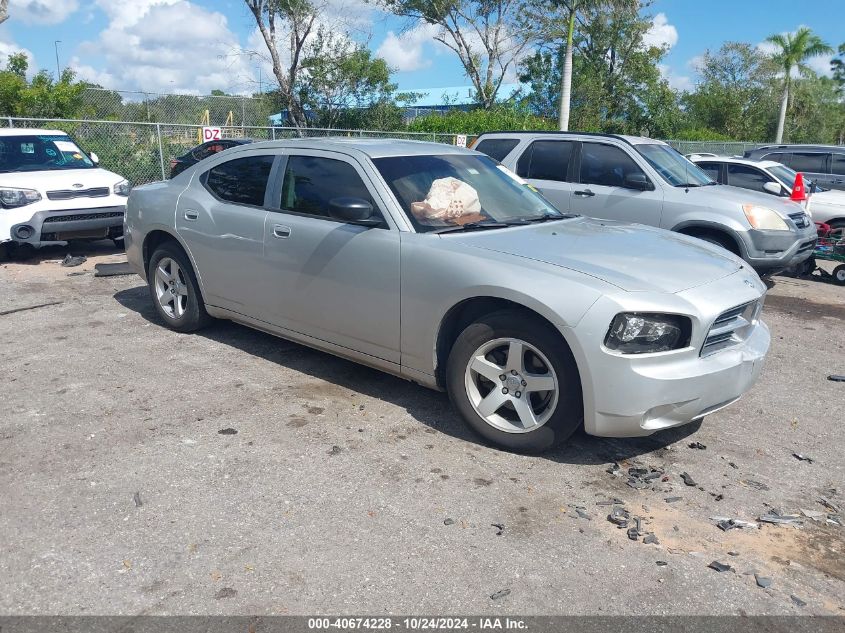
416 623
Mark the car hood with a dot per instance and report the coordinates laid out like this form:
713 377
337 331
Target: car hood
60 179
720 197
633 257
829 198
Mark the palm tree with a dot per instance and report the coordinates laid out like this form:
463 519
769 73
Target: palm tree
793 50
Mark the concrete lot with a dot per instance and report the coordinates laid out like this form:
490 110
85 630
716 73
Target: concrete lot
332 495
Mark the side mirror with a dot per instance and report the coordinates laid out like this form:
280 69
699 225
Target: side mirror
353 211
773 188
638 181
94 158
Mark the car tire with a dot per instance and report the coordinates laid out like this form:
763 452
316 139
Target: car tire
545 361
174 289
718 240
838 274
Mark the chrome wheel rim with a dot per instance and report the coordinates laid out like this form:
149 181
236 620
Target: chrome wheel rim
171 289
511 385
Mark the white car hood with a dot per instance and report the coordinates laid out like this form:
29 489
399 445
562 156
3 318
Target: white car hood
52 180
830 198
630 256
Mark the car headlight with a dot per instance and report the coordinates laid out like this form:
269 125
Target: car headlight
764 218
11 197
122 188
645 333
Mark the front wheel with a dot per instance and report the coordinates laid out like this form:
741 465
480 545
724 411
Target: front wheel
175 291
514 381
839 274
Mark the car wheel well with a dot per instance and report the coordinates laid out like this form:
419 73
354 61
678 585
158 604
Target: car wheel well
463 314
702 232
153 240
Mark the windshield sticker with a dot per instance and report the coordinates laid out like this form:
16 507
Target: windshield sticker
66 146
27 148
50 152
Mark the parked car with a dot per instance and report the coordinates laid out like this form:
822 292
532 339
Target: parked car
436 264
638 179
824 164
766 176
51 191
203 151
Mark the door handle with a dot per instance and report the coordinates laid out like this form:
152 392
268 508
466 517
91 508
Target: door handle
585 193
190 214
281 231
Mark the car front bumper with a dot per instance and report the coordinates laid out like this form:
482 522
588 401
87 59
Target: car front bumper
46 227
770 251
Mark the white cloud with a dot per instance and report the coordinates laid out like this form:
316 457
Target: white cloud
821 65
405 52
166 46
676 81
42 11
661 33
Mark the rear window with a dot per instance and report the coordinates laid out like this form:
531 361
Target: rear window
546 160
497 148
809 161
837 164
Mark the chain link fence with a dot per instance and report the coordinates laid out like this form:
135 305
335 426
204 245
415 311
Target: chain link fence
141 151
720 148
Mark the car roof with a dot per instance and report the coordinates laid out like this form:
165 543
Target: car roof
372 147
820 148
631 140
28 131
765 164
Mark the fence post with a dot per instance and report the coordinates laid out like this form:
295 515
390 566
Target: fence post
273 130
160 151
11 123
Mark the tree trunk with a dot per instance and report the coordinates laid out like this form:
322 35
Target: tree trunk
784 102
566 77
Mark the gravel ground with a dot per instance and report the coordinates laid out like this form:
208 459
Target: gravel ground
345 490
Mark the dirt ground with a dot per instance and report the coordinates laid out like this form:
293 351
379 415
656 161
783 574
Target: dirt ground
148 472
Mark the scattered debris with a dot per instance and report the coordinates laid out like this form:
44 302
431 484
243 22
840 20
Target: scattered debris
661 563
728 523
228 431
137 499
781 519
672 499
336 450
698 445
827 504
641 478
112 270
815 515
798 601
836 378
500 594
651 539
610 502
764 582
720 567
619 516
73 260
500 527
802 458
615 469
225 592
581 511
757 485
732 553
448 521
688 480
732 465
77 273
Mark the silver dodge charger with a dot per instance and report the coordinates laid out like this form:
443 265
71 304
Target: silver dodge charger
439 265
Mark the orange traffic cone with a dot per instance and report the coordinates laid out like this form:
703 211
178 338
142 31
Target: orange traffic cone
799 194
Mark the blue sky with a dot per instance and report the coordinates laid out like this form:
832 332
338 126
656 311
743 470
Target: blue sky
198 45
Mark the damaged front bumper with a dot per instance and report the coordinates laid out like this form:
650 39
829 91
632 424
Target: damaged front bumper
48 227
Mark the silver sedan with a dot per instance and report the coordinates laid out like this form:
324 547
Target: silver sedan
437 264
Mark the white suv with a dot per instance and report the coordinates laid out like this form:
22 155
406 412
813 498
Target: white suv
51 191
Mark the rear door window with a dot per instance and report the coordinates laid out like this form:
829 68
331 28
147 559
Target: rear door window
605 165
546 160
837 164
747 177
813 162
711 169
497 148
778 157
241 181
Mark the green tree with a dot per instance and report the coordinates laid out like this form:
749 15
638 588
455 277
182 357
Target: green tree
793 51
837 65
42 96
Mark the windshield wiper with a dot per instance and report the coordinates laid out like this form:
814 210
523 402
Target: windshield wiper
688 184
546 217
472 226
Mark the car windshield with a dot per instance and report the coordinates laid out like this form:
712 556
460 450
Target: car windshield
41 152
674 168
787 177
456 190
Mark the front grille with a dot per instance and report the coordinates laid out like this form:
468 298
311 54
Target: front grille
731 327
801 220
83 216
70 194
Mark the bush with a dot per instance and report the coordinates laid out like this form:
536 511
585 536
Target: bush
480 120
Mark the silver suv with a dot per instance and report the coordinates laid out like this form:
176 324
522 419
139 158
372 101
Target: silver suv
638 179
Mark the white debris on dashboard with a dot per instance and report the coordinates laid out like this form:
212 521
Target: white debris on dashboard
447 200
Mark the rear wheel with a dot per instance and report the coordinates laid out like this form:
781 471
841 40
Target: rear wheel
839 274
175 291
514 381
